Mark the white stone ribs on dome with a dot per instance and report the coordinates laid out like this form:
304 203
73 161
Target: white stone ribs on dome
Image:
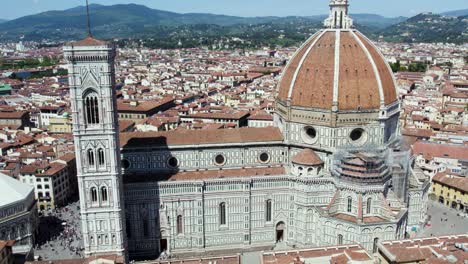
291 87
381 55
298 51
336 76
374 67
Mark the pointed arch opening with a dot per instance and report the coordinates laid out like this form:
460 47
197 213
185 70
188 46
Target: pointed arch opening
368 205
94 195
350 204
90 156
91 108
222 213
180 224
104 194
340 239
268 210
101 157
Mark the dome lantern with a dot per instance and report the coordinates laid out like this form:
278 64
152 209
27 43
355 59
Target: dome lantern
338 18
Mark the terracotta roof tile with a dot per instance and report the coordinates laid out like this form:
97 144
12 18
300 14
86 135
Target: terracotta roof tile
307 157
200 137
88 41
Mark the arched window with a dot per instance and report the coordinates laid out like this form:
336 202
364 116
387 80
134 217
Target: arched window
350 204
93 194
179 224
340 239
104 194
90 157
375 247
341 19
128 228
91 108
145 227
268 210
222 213
101 157
336 19
368 205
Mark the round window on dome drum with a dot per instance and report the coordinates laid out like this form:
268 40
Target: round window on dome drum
309 135
125 164
311 132
173 162
356 134
220 159
264 157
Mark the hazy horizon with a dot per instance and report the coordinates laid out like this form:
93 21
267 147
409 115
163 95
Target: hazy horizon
246 8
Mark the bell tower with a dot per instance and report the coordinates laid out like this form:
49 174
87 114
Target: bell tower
95 131
339 17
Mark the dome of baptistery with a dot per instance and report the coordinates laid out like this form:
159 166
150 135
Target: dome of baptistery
338 79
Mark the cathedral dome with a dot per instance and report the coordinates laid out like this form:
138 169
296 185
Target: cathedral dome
338 69
341 68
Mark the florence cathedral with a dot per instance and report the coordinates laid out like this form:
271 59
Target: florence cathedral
331 171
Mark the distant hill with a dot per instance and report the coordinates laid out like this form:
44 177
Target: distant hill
377 21
3 20
138 21
456 13
428 27
134 20
110 21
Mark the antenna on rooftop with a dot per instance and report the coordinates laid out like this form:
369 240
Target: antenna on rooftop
89 21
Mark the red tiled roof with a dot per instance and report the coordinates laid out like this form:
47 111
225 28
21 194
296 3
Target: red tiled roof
88 41
307 157
440 150
200 137
456 182
204 175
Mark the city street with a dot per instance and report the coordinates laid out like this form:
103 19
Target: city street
444 221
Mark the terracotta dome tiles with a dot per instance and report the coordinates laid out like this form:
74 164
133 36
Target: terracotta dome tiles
358 86
385 73
363 75
292 67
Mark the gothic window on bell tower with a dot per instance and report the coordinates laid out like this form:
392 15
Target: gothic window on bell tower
104 194
94 195
90 154
91 108
101 161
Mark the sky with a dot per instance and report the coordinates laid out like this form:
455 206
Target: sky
390 8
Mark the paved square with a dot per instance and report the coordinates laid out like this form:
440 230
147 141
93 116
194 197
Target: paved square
60 234
444 221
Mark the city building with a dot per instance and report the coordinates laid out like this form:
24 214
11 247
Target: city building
444 249
451 190
134 110
60 124
16 119
18 214
5 89
51 181
330 171
335 254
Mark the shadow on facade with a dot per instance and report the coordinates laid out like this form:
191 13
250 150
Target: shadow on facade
149 222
